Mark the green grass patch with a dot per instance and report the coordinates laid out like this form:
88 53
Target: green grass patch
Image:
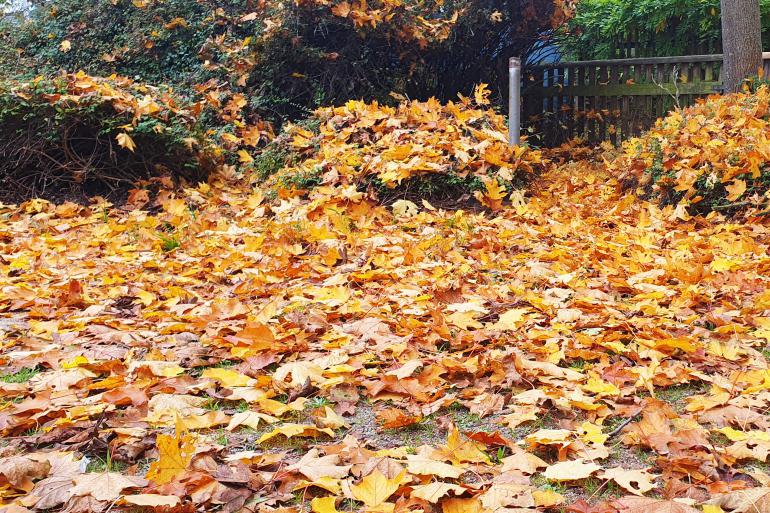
21 376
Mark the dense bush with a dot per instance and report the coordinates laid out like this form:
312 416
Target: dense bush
289 57
711 156
663 27
76 132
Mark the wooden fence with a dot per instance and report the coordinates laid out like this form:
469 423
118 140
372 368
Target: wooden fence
613 100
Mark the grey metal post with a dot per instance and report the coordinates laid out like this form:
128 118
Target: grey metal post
514 100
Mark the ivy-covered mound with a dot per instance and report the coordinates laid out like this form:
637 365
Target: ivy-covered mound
711 156
288 57
73 133
418 149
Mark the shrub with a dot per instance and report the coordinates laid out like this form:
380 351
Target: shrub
290 57
96 135
711 156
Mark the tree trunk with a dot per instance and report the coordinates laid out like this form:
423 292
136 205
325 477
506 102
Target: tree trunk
741 42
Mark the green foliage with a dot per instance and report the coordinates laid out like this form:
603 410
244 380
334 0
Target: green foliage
21 376
301 180
271 160
169 242
663 27
107 36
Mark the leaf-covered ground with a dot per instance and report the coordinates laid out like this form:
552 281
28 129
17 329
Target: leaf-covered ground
578 349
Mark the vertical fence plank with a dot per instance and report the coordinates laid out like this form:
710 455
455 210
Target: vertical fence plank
624 122
604 74
566 115
614 106
581 105
592 105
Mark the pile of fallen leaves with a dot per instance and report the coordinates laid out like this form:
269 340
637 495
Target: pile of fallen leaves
460 143
711 156
580 350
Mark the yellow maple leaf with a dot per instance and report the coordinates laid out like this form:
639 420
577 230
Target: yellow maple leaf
459 450
511 320
125 141
227 377
375 489
472 505
175 455
547 498
735 189
323 505
289 430
493 196
481 94
245 157
65 46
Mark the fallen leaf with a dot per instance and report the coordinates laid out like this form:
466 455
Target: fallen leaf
570 470
105 486
375 488
175 455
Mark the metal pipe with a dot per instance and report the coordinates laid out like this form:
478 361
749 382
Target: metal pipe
514 101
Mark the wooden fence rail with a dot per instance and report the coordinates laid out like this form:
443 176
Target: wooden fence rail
613 100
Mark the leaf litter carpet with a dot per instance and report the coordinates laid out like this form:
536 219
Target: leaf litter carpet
580 349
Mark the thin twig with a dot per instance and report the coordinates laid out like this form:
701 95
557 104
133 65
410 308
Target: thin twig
620 427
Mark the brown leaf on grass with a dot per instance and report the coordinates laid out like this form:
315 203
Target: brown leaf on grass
314 467
570 470
637 482
433 492
54 490
152 500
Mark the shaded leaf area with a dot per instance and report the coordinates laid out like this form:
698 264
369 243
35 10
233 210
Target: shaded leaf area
75 135
579 348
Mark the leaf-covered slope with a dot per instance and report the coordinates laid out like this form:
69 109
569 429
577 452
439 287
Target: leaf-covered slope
711 156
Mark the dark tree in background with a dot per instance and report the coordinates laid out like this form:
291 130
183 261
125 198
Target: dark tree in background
741 41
